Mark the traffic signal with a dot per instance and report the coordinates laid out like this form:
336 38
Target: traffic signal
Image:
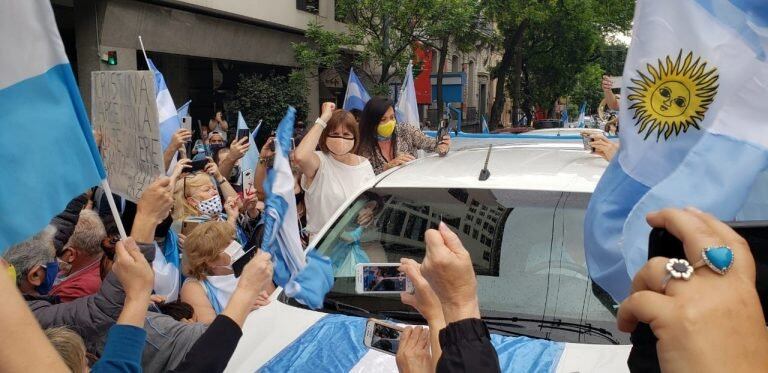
112 58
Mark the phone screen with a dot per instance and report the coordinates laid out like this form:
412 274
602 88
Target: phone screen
241 133
198 165
662 243
381 278
240 263
383 337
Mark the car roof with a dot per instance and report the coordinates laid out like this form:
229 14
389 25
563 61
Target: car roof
539 166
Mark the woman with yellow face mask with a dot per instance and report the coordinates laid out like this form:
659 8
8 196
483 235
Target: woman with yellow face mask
387 143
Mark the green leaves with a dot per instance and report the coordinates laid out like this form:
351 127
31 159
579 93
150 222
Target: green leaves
267 97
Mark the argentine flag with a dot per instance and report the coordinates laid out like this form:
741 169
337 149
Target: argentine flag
305 278
251 157
183 111
693 129
47 147
356 96
168 116
582 114
407 110
484 123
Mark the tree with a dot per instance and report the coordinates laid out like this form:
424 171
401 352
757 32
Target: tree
267 98
456 22
547 44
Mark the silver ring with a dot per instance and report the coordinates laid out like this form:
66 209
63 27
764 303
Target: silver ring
677 269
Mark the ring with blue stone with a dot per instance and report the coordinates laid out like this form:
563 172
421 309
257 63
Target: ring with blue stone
717 258
677 269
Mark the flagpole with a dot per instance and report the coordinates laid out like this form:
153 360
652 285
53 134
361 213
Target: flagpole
141 42
113 208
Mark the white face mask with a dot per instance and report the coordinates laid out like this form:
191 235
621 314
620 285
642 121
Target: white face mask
235 251
211 206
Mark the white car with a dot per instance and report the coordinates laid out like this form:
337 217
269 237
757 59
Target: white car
523 227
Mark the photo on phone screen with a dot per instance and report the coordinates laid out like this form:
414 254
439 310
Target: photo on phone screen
382 336
381 278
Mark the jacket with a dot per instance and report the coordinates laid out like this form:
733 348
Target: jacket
467 347
167 341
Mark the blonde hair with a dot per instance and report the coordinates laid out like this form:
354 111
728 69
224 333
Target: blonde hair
182 208
203 245
70 347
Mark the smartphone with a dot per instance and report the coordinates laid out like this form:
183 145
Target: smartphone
643 357
381 278
247 180
382 336
186 122
444 129
272 144
240 263
241 132
198 165
187 226
586 139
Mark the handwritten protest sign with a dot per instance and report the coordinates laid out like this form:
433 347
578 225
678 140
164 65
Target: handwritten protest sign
125 111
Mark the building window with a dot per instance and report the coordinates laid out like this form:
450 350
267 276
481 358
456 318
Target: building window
311 6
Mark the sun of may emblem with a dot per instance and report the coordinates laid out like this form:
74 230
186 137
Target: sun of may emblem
673 96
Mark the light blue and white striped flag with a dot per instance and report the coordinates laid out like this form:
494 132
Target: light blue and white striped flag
251 157
168 116
305 278
183 111
485 125
356 96
693 130
582 114
407 110
47 148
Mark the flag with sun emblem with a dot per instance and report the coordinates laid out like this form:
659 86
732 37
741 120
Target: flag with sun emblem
692 126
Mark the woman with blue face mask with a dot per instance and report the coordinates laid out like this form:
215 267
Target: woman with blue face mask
208 255
387 143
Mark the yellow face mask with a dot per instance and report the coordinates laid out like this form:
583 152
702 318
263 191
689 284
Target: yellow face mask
385 130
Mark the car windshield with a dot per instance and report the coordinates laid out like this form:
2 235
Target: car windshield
526 248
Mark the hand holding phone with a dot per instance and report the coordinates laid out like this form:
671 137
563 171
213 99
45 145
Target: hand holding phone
586 139
198 165
241 133
686 314
382 336
381 278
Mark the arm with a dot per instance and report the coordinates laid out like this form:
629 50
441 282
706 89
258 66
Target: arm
192 292
236 151
224 125
305 155
261 169
226 189
610 98
125 343
28 349
180 137
466 346
418 138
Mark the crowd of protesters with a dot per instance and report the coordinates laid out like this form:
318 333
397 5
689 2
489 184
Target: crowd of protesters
94 301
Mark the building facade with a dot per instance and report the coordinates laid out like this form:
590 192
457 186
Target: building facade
201 46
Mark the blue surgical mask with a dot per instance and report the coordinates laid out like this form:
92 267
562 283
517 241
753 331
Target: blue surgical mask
51 271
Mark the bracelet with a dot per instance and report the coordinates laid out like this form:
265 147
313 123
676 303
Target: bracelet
222 181
320 122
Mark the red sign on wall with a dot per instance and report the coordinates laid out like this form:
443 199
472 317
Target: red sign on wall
422 81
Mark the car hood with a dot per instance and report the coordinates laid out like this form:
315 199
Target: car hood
276 327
